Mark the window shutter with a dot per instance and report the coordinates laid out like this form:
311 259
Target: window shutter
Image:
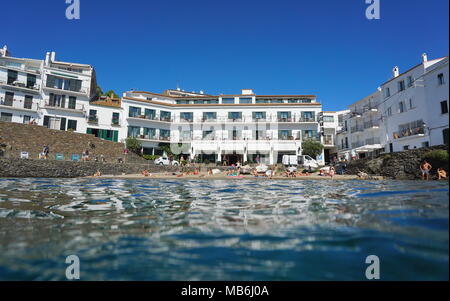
63 124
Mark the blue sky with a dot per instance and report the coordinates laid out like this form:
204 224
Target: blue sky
322 47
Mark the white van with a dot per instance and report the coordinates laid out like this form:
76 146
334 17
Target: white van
306 161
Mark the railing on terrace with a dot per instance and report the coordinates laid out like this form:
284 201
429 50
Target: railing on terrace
81 90
19 104
115 121
92 119
409 132
76 107
371 124
22 68
19 84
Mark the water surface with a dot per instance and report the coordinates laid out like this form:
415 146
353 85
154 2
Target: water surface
155 229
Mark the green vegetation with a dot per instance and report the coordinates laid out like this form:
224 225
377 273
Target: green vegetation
133 145
312 148
165 147
110 93
437 158
150 157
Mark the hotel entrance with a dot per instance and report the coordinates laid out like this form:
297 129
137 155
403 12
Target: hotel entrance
232 159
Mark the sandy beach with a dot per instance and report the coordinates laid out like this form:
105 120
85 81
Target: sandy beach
223 176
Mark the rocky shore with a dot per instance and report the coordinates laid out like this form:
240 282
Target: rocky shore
401 165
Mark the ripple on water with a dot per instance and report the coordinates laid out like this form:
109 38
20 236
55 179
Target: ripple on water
246 230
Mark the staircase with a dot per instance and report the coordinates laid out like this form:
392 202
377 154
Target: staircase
16 138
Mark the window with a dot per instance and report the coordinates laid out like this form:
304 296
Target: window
208 135
57 100
284 116
164 134
134 131
401 85
7 117
149 114
308 116
55 123
26 119
187 116
165 116
405 147
134 112
444 107
12 77
72 125
328 118
72 102
186 135
285 134
63 83
234 115
115 118
259 115
401 107
425 144
149 133
387 92
441 80
245 100
410 81
228 100
445 136
31 81
410 101
311 134
209 116
9 98
389 111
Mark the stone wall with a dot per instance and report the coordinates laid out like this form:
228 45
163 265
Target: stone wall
16 138
400 165
19 168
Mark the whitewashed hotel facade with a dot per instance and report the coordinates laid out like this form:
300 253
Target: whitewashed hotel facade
245 127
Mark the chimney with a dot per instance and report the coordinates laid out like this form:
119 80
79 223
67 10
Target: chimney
4 51
424 58
53 56
47 59
395 71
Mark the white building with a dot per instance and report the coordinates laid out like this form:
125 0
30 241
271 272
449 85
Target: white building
244 127
361 133
415 106
51 93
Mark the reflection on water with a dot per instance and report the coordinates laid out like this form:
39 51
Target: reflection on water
221 230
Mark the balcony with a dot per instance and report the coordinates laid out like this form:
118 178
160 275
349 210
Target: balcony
409 132
20 86
164 138
70 108
82 91
165 119
328 140
209 120
285 119
186 120
17 104
93 119
307 119
115 121
22 68
371 125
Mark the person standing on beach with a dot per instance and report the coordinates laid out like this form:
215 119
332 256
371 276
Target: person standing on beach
425 168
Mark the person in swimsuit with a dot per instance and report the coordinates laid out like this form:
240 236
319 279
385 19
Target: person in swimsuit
425 168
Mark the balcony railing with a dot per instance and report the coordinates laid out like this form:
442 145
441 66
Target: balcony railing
23 68
21 85
115 121
371 124
19 104
81 90
93 119
76 107
409 132
307 119
328 140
